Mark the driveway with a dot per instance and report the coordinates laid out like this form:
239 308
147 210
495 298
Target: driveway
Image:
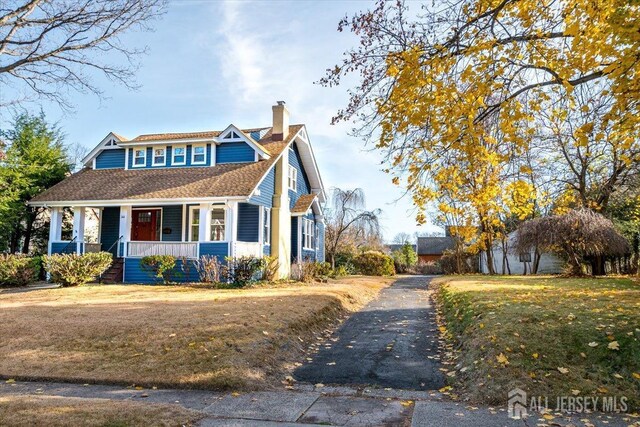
392 342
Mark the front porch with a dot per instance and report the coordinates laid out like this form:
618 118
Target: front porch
186 231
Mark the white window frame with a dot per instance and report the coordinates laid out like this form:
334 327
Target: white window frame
224 223
184 155
153 156
193 154
144 163
190 223
293 179
266 226
307 234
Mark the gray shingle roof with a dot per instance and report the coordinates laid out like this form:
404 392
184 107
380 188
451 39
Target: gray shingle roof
434 245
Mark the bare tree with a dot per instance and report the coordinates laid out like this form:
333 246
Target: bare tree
49 47
348 218
402 238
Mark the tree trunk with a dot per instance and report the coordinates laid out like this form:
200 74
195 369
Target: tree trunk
490 266
31 217
597 266
15 239
536 261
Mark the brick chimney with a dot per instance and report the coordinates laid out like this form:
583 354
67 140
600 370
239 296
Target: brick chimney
280 122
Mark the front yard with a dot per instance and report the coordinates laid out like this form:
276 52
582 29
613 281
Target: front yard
170 336
548 336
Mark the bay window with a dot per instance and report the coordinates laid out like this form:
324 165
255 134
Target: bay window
216 228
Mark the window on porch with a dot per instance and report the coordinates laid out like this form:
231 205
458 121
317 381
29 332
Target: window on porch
217 228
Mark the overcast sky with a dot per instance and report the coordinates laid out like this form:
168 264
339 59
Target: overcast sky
214 63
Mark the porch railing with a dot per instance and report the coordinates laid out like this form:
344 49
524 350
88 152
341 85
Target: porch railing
92 247
176 249
247 249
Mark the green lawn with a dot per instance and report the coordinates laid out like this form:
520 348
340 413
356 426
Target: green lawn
549 336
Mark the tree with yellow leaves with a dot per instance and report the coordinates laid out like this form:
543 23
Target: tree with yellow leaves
454 96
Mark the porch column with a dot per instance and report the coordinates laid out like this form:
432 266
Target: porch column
79 213
125 228
231 226
55 226
281 218
204 230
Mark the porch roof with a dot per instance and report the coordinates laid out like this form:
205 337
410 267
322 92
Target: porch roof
223 180
303 203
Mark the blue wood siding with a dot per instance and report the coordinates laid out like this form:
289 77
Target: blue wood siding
172 221
219 249
168 162
320 246
110 159
234 152
294 238
57 247
267 188
303 186
248 222
133 272
110 228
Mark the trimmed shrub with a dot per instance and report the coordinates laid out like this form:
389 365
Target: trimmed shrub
74 269
242 270
159 266
427 268
373 263
18 270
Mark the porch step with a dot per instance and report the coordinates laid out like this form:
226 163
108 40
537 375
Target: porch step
114 273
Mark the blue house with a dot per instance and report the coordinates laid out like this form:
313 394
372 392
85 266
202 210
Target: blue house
233 192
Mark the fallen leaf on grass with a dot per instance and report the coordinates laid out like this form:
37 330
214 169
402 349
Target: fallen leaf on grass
502 359
534 355
613 345
575 392
593 344
563 370
636 375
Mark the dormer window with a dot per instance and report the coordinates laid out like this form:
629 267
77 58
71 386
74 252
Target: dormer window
179 155
139 157
159 156
293 178
199 155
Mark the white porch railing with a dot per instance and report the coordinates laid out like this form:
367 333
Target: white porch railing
176 249
247 249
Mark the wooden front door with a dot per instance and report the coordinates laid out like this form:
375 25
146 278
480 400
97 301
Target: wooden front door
145 225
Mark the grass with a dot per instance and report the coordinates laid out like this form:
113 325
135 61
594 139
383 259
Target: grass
170 336
548 336
19 411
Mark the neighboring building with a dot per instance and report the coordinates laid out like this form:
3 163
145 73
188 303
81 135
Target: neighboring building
549 263
432 248
224 193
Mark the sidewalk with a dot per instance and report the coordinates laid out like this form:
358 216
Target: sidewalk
309 405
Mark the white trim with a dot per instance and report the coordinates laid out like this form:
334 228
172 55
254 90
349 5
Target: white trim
188 141
137 202
144 165
309 225
266 220
260 152
102 146
193 155
207 222
183 232
173 155
153 156
147 208
126 158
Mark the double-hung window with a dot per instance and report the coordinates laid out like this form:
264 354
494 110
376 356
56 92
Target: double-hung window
267 226
199 155
179 155
293 178
139 157
307 234
217 225
159 156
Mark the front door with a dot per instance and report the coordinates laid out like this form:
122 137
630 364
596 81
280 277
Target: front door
145 225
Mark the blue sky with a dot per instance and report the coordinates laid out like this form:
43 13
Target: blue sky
214 63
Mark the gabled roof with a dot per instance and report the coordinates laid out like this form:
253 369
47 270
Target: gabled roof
121 185
303 203
434 245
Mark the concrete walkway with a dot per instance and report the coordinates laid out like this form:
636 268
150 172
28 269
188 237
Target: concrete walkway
309 405
392 342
